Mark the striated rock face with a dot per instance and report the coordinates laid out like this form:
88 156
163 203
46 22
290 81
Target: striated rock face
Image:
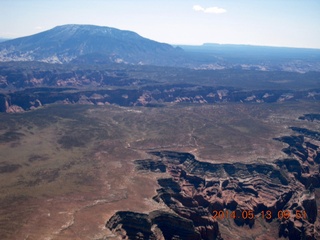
304 164
281 192
173 93
155 225
203 187
131 225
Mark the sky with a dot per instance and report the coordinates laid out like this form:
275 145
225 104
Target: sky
289 23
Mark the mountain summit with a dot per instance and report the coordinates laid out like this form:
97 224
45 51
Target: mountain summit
88 43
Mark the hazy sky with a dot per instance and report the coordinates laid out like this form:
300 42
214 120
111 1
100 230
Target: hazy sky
294 23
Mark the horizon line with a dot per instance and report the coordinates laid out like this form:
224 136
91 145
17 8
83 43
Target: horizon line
173 44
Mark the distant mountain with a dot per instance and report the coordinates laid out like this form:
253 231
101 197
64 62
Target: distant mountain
87 44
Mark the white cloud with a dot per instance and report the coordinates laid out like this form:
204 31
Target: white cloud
198 8
38 28
215 10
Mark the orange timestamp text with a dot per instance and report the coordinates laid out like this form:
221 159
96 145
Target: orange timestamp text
249 214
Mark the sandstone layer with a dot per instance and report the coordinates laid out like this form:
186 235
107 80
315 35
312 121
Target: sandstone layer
280 192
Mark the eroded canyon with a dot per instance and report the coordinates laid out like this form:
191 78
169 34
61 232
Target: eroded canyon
111 172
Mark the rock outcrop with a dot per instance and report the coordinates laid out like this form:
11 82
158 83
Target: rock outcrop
12 108
155 225
176 93
281 191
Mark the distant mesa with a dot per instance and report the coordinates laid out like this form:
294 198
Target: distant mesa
88 43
